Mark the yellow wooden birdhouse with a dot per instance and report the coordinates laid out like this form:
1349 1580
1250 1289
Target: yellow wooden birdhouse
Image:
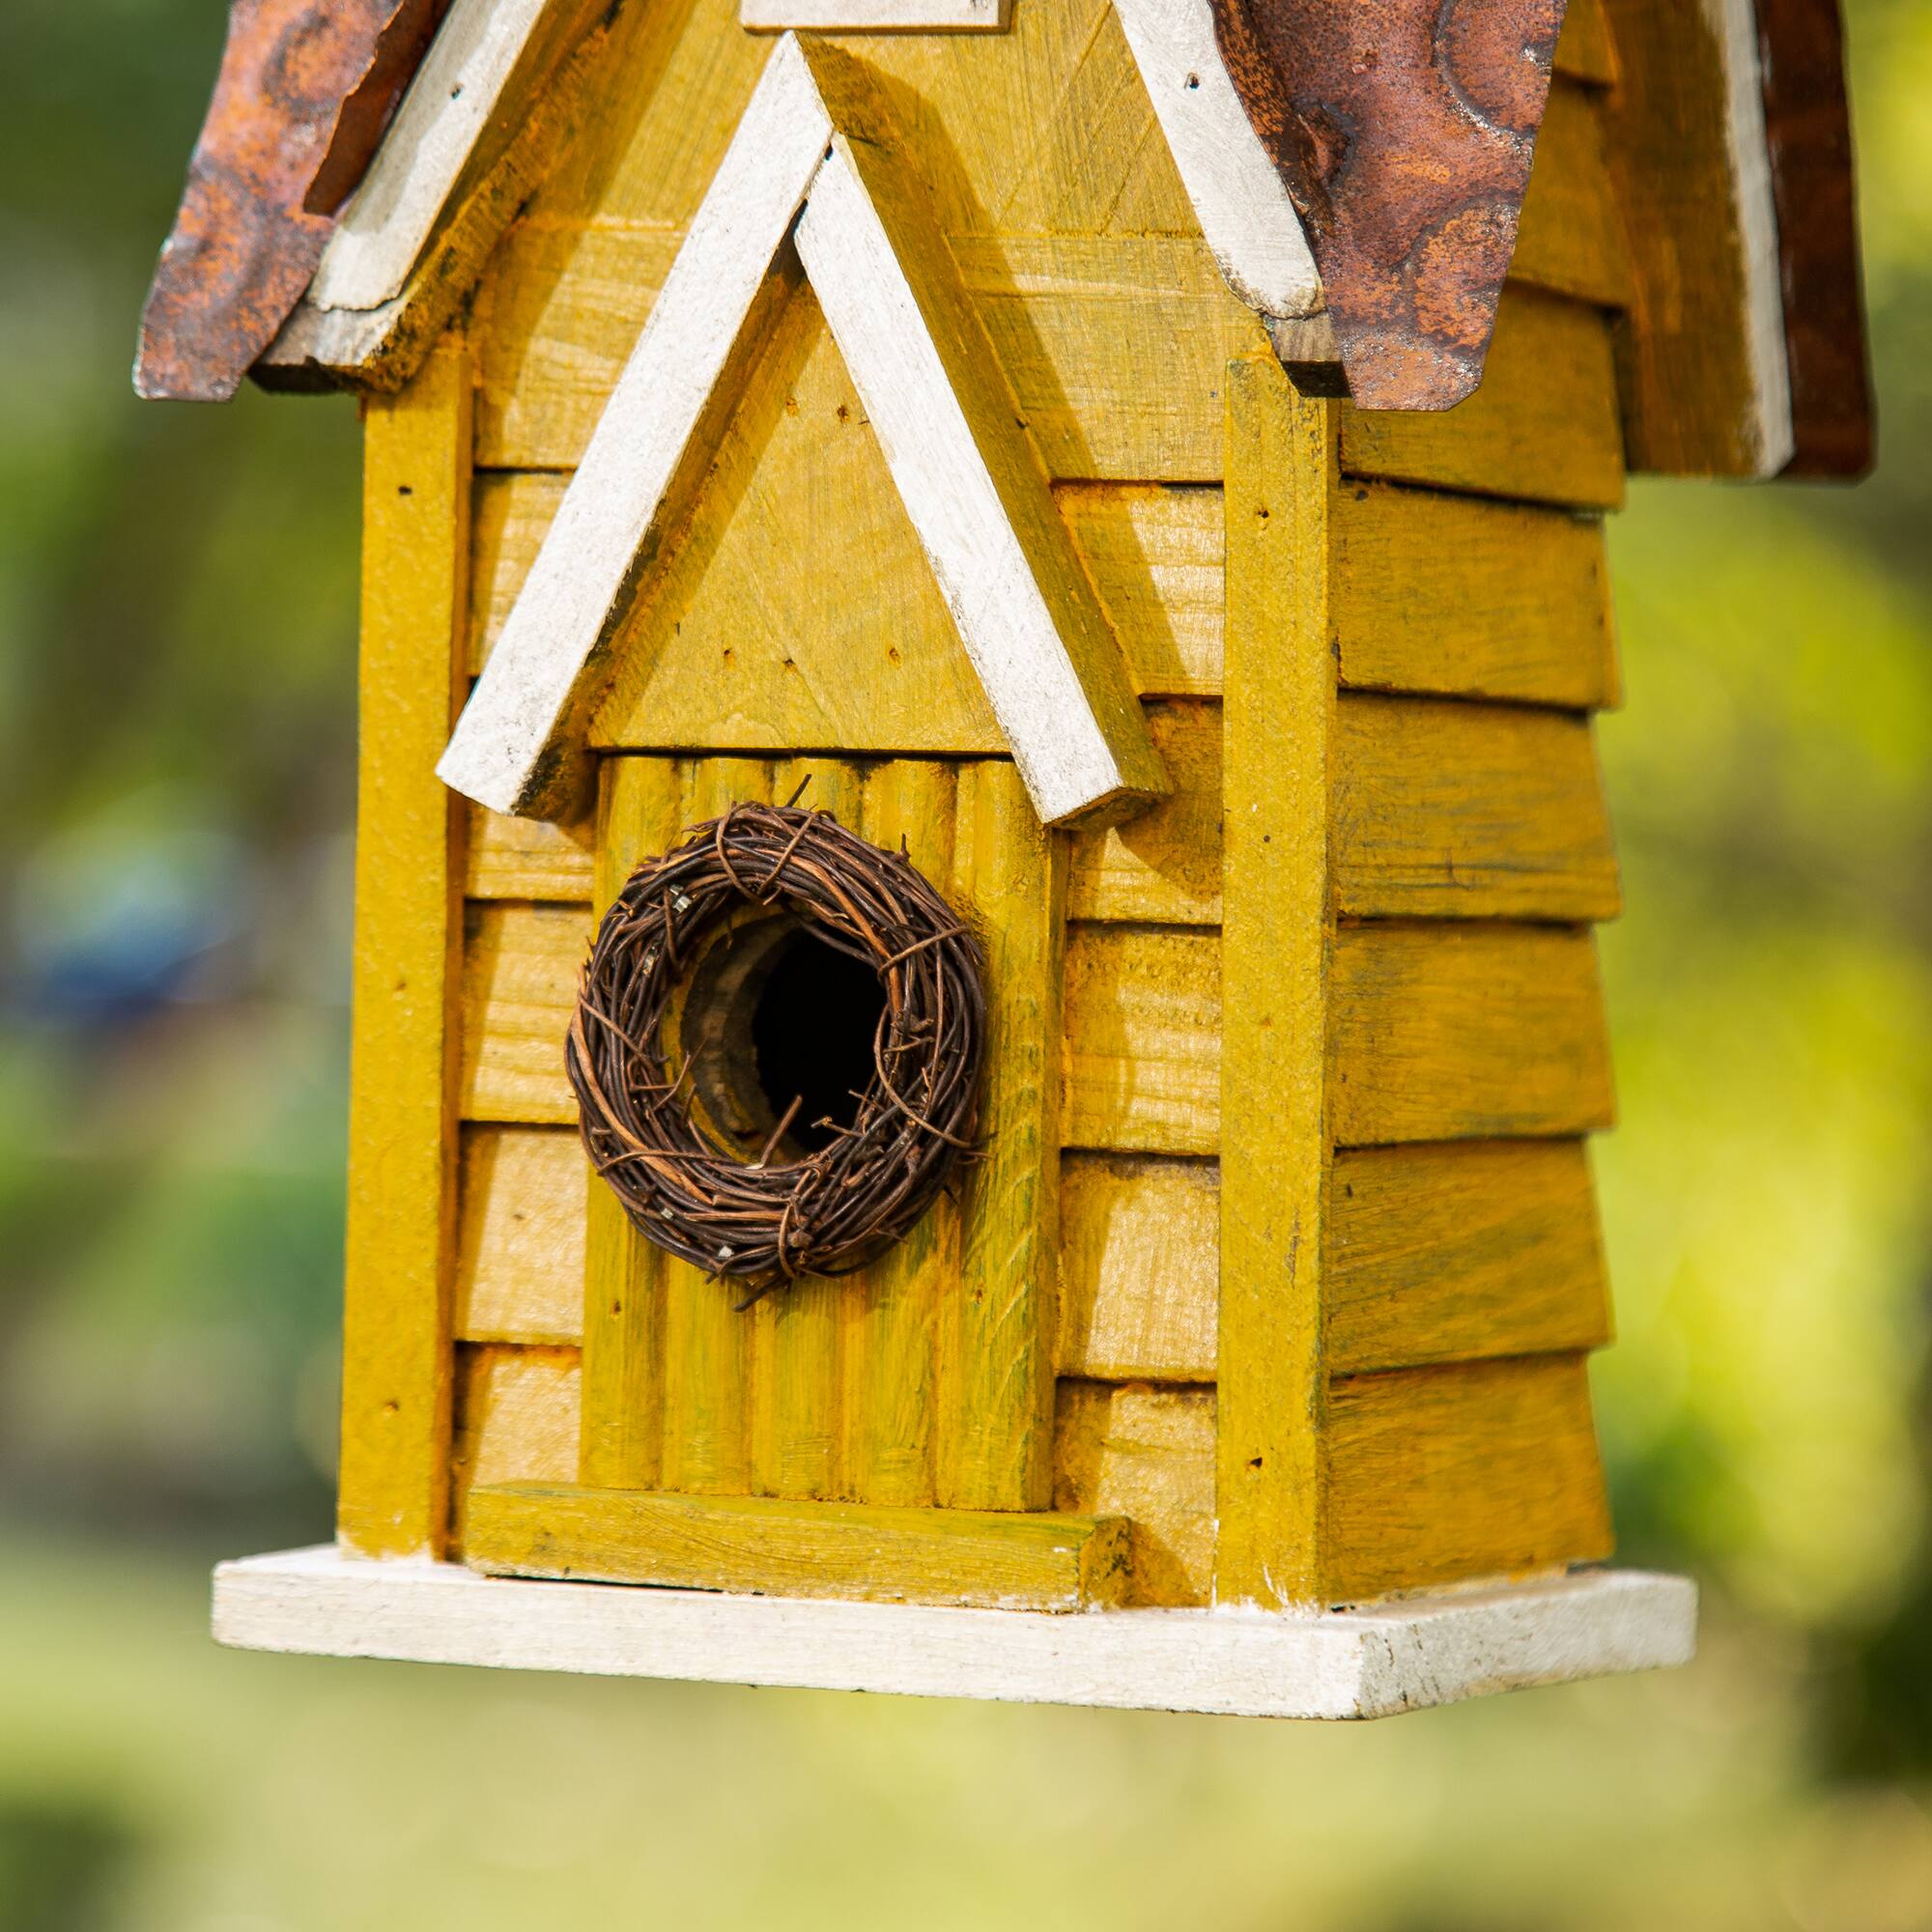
975 995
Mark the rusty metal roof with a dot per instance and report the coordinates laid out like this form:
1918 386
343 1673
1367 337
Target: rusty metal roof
305 90
1403 131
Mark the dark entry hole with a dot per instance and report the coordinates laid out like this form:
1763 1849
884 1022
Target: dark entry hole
813 1030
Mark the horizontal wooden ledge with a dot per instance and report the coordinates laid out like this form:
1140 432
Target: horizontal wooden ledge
1337 1665
778 1547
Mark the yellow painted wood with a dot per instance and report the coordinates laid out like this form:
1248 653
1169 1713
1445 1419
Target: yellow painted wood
1163 866
784 1548
1276 948
402 1158
520 966
1479 1470
527 858
521 1204
797 1379
1571 240
1584 46
1142 1019
707 1338
1438 592
1140 1243
1154 553
893 1310
516 1420
799 609
1453 1031
1147 1455
640 813
1463 1251
1543 427
1155 556
994 1446
1469 812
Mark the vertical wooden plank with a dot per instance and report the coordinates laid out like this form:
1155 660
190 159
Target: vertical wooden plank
400 1259
996 1370
708 1339
893 1312
796 1380
1277 925
638 814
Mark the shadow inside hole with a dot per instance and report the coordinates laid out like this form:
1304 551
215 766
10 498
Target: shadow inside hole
776 1014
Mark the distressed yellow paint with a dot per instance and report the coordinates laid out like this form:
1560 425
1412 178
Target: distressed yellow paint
1571 237
520 968
527 858
1477 1469
985 1559
402 1159
515 1421
1469 812
1146 1455
1461 1251
1275 950
1139 1268
520 1203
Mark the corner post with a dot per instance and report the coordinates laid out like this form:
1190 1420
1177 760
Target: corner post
396 1360
1278 721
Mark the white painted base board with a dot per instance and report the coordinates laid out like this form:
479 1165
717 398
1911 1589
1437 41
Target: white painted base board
1343 1663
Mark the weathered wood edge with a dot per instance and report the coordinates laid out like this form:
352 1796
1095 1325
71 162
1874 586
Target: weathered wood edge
1433 1650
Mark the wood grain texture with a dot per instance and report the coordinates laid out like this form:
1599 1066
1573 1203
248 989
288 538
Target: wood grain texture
516 1421
895 1311
1438 592
1480 1470
527 858
876 16
1455 1031
987 1559
1571 238
640 813
1163 866
1146 1455
972 483
1463 1251
1461 811
564 67
1707 387
1583 51
1543 427
520 966
996 1350
1139 1275
802 503
1143 1040
1276 944
520 1205
393 1498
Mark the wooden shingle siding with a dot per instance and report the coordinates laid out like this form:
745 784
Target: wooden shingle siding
1477 1469
516 1419
521 1204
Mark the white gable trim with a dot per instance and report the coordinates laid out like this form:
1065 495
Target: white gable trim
976 496
387 222
1244 212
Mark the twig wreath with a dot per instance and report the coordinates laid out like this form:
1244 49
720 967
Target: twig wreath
832 1210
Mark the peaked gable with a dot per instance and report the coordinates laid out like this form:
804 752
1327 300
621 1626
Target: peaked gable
812 187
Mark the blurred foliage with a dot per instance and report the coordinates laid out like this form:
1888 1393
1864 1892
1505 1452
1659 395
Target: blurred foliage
177 661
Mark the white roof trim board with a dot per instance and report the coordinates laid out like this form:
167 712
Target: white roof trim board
974 492
1243 208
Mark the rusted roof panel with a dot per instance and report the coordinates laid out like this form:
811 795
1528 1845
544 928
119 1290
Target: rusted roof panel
1403 131
306 88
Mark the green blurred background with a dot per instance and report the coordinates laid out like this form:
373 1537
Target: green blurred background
176 664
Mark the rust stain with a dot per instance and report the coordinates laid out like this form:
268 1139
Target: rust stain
305 90
1403 132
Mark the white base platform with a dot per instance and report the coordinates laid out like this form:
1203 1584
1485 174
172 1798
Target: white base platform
1341 1663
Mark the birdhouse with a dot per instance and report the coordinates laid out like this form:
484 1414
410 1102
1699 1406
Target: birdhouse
976 1011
